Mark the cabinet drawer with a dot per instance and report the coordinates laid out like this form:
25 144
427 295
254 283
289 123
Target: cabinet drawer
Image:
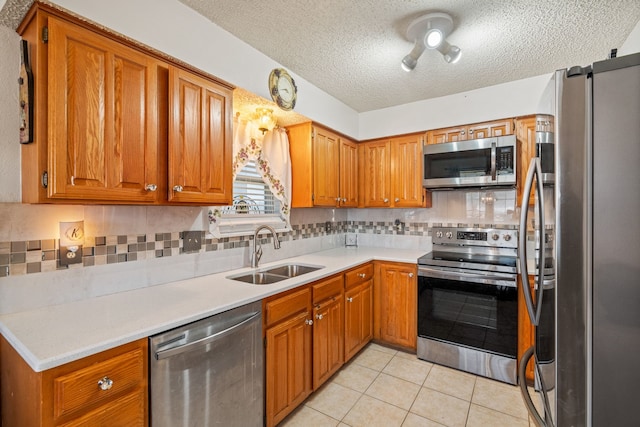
358 275
284 306
79 389
127 411
327 288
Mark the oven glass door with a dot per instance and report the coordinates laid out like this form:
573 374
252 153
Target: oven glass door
475 315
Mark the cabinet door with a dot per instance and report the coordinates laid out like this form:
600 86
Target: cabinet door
377 174
358 318
526 331
326 158
407 171
288 366
103 142
526 134
452 134
397 298
328 339
199 140
348 173
489 129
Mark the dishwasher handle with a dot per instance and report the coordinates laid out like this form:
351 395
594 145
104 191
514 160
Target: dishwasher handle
163 354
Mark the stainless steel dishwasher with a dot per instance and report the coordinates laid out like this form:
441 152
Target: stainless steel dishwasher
210 372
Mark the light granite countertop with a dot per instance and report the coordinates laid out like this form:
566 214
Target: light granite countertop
54 335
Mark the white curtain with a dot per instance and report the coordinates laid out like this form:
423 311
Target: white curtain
271 154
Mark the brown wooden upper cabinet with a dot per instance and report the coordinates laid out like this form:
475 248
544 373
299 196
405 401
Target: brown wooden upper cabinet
324 167
110 118
199 140
473 131
391 172
526 128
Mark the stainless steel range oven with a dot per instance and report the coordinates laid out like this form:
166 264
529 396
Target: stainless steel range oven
468 301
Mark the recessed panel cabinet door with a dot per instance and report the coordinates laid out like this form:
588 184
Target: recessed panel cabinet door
326 158
407 171
199 140
102 118
397 304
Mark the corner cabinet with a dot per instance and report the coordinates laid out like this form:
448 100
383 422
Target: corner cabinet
324 167
396 304
109 388
111 116
391 173
199 140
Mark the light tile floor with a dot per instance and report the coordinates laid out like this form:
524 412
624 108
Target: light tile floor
385 387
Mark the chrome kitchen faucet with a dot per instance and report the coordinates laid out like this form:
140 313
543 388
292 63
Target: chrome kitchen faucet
257 247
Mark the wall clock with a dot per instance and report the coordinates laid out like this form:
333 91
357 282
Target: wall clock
283 89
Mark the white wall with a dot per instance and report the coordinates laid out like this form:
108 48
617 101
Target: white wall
9 116
173 28
521 97
632 44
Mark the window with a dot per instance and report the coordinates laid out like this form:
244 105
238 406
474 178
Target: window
253 204
251 195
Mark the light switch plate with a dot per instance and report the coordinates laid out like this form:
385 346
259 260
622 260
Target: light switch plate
192 241
351 239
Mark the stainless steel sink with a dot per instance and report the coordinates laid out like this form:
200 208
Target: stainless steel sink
292 270
259 278
275 274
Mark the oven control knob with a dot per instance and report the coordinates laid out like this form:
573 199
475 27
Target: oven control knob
507 237
449 235
495 236
439 234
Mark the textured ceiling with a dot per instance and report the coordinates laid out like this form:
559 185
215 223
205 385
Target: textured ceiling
352 49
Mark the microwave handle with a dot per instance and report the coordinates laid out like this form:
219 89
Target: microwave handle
493 161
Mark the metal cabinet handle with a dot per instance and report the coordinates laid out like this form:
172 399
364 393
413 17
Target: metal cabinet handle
319 316
470 131
397 199
151 187
462 132
350 299
362 275
178 188
386 200
410 275
338 199
105 383
344 200
308 322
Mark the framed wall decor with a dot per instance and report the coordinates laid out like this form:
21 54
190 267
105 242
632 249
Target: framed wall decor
26 96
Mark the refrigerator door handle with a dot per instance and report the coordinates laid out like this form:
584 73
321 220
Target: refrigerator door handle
522 382
535 171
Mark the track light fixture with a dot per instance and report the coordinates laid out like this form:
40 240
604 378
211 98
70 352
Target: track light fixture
429 32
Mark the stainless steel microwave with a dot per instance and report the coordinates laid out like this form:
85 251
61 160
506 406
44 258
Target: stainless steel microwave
482 162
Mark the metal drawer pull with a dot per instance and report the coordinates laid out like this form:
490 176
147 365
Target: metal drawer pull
319 316
410 275
362 275
350 299
151 187
178 188
105 383
308 322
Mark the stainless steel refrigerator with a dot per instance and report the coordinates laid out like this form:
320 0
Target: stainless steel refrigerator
587 320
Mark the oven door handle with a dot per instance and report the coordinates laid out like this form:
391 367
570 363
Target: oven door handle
489 279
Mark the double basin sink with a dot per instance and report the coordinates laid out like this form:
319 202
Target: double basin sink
275 274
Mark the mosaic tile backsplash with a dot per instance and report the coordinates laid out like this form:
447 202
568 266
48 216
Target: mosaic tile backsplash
36 256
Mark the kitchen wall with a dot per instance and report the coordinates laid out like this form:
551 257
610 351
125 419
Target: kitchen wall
135 246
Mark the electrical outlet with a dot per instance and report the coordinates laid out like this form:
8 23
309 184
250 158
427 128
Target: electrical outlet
192 241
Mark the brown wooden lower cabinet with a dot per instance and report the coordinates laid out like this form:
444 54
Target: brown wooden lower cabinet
396 304
288 334
328 328
358 310
70 394
526 332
